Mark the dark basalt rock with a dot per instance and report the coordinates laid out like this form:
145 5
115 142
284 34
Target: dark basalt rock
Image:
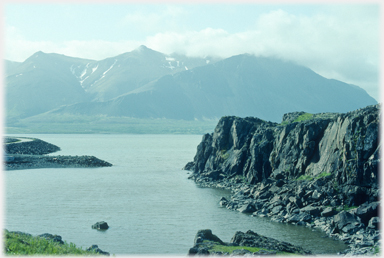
96 249
253 239
205 240
328 212
366 211
322 172
206 234
101 225
374 223
54 238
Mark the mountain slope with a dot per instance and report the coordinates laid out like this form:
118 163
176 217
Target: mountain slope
9 66
242 85
47 81
40 83
115 76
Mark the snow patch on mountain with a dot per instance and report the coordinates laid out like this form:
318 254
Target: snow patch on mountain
104 72
170 66
94 69
108 69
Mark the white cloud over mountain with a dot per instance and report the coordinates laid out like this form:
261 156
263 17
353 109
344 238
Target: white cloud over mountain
341 42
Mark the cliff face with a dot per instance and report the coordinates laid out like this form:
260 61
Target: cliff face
343 147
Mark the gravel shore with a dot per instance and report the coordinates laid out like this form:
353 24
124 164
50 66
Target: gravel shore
29 153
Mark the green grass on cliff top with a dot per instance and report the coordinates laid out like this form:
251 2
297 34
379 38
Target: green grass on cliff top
303 117
18 244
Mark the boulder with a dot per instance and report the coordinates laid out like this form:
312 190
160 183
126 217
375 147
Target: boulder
278 174
299 217
276 209
214 175
328 212
314 211
96 249
223 202
344 218
374 223
316 195
189 166
253 239
280 183
247 208
296 201
102 225
366 211
206 234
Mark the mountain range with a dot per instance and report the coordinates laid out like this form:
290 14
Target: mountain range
147 84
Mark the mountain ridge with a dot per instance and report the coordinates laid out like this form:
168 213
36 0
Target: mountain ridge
148 84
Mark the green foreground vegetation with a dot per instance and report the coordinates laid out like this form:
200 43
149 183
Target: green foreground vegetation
23 244
230 249
103 124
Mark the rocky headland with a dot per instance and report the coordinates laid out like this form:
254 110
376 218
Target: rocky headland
315 170
28 153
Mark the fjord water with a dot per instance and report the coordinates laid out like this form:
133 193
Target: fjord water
147 200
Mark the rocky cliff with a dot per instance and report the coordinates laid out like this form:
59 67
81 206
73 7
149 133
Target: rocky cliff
344 147
316 170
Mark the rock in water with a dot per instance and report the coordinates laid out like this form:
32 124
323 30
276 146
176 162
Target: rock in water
100 225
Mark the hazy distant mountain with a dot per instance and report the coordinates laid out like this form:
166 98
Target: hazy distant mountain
47 81
111 77
242 85
41 83
9 66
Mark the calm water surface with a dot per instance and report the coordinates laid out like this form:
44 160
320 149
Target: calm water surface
146 199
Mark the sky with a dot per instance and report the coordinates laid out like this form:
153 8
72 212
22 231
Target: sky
338 40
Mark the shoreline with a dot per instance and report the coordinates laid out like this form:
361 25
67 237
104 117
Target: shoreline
360 239
30 153
313 170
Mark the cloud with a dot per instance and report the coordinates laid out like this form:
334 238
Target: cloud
17 48
339 42
168 19
343 47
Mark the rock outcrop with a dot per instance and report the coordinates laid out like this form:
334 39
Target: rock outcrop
316 170
249 243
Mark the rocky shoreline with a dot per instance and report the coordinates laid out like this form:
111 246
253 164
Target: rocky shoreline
318 171
29 153
357 227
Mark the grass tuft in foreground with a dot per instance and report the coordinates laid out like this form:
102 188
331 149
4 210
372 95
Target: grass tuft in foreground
230 249
25 244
